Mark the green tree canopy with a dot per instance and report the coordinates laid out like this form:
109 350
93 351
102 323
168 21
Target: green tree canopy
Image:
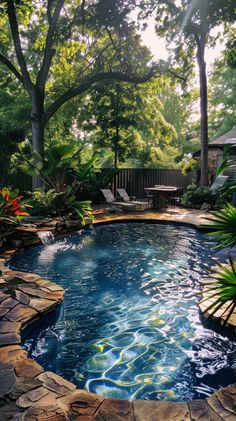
188 24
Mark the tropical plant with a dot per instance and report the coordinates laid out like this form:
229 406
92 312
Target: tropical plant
10 203
53 169
11 210
221 289
188 164
223 226
54 203
91 180
195 196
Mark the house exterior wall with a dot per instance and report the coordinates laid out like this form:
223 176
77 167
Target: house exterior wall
213 159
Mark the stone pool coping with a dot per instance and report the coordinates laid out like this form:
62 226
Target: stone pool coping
30 393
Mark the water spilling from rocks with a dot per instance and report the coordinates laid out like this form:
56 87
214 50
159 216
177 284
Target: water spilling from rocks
46 237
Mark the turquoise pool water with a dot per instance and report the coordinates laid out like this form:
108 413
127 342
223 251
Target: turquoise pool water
130 326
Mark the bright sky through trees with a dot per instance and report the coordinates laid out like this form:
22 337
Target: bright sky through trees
157 45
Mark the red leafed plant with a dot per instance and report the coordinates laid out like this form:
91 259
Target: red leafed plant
10 203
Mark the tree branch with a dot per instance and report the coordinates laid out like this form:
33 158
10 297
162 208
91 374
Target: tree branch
17 43
12 68
49 13
91 80
48 51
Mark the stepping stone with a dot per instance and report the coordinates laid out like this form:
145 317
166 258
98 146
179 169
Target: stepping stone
22 297
223 402
7 378
56 383
21 313
23 385
9 303
51 412
28 368
12 353
201 411
42 305
10 338
7 327
115 410
31 397
82 404
160 411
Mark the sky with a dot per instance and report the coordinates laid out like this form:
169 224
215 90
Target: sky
158 49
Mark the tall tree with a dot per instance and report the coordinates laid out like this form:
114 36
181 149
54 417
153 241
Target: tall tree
129 121
189 23
82 41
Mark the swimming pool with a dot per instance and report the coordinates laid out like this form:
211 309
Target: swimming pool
130 326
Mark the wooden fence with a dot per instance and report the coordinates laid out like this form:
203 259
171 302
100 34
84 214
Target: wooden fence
19 180
134 180
131 179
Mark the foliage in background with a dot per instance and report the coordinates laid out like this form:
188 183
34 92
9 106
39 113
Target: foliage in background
195 196
188 164
58 50
57 170
154 109
91 180
222 100
53 169
53 203
188 26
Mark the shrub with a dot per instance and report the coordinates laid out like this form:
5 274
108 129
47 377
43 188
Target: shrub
11 210
195 196
53 203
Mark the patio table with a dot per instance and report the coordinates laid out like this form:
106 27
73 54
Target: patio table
160 195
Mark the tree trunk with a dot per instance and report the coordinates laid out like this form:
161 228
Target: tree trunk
37 132
116 155
203 111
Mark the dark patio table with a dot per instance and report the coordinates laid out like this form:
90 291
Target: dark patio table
160 195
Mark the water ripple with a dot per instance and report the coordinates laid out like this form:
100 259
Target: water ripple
130 326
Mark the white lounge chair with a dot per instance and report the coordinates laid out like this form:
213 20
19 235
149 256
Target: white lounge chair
110 198
140 204
219 182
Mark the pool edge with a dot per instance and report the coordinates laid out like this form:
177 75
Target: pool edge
38 393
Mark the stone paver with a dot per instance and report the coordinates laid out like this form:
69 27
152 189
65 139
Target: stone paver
21 313
201 411
32 394
56 383
115 410
159 411
28 368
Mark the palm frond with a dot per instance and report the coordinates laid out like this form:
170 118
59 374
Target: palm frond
220 289
222 226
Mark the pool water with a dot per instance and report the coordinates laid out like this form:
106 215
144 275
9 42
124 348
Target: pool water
129 326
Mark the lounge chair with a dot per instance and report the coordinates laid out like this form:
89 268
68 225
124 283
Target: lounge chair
140 204
219 182
110 198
